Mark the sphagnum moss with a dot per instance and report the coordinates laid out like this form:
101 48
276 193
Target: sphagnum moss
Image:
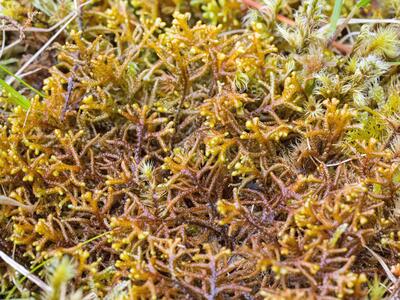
207 149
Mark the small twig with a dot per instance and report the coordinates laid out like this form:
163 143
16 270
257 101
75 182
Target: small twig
372 21
236 31
349 35
37 29
70 87
285 20
252 4
3 42
79 13
31 72
259 6
36 55
27 115
4 200
383 264
22 270
185 91
14 26
343 161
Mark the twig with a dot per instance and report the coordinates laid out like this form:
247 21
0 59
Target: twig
236 31
22 270
79 12
372 21
343 161
31 72
21 29
70 87
185 91
4 200
38 29
349 35
3 43
383 264
36 55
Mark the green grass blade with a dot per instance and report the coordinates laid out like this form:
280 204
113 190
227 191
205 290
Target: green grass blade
15 97
363 3
22 82
335 15
94 238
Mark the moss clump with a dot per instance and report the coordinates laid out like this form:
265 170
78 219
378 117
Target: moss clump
201 149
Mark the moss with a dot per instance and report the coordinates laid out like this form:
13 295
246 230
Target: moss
201 149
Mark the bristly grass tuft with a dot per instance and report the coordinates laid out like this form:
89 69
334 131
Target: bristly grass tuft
60 272
377 289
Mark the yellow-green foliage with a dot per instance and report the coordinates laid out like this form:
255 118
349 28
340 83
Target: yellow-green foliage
194 149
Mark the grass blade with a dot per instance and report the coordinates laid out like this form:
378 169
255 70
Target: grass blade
15 97
22 82
363 3
335 15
